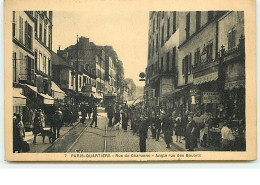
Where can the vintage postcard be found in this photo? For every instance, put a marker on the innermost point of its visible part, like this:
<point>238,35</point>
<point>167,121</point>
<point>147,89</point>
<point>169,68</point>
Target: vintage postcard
<point>130,80</point>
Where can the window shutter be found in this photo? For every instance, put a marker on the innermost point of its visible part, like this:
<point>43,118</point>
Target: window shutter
<point>32,70</point>
<point>26,34</point>
<point>229,41</point>
<point>189,61</point>
<point>183,66</point>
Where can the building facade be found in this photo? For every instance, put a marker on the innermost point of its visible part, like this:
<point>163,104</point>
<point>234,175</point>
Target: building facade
<point>196,62</point>
<point>32,43</point>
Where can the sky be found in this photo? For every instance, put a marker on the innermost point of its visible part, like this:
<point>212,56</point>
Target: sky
<point>126,31</point>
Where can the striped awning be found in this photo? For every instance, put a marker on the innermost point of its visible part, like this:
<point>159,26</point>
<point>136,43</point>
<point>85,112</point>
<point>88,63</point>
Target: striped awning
<point>206,78</point>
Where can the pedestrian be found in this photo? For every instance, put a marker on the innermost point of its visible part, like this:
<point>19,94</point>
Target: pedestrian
<point>153,128</point>
<point>21,126</point>
<point>57,123</point>
<point>125,117</point>
<point>94,117</point>
<point>191,134</point>
<point>37,125</point>
<point>167,128</point>
<point>158,125</point>
<point>17,138</point>
<point>88,110</point>
<point>228,139</point>
<point>110,114</point>
<point>143,129</point>
<point>117,115</point>
<point>179,128</point>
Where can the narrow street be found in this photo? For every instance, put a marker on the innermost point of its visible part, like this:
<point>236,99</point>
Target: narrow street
<point>83,138</point>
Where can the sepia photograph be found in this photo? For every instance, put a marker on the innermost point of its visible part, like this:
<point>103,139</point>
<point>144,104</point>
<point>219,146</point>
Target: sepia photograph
<point>135,85</point>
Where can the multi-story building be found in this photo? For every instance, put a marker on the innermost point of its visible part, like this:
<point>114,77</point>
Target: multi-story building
<point>162,55</point>
<point>111,75</point>
<point>208,71</point>
<point>63,74</point>
<point>32,43</point>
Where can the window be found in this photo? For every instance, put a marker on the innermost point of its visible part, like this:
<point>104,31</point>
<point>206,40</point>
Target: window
<point>186,65</point>
<point>44,64</point>
<point>49,67</point>
<point>157,25</point>
<point>187,26</point>
<point>153,25</point>
<point>40,63</point>
<point>50,39</point>
<point>174,22</point>
<point>14,68</point>
<point>168,28</point>
<point>40,30</point>
<point>21,29</point>
<point>173,59</point>
<point>209,52</point>
<point>198,20</point>
<point>72,80</point>
<point>86,67</point>
<point>161,64</point>
<point>157,42</point>
<point>14,24</point>
<point>28,35</point>
<point>197,57</point>
<point>162,40</point>
<point>44,36</point>
<point>153,48</point>
<point>80,82</point>
<point>162,14</point>
<point>36,26</point>
<point>36,60</point>
<point>168,61</point>
<point>232,39</point>
<point>210,15</point>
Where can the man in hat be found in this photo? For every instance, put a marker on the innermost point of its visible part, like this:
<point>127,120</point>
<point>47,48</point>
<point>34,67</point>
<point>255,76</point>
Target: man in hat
<point>191,134</point>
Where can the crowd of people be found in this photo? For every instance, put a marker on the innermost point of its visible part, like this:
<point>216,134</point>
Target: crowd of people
<point>193,128</point>
<point>163,122</point>
<point>38,121</point>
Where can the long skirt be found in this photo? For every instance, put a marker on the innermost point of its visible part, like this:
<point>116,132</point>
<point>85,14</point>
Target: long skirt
<point>168,136</point>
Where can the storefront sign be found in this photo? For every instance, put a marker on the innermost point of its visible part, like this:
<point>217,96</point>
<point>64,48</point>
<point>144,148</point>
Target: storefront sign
<point>211,97</point>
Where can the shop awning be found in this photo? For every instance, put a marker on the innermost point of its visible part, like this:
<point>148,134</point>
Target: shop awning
<point>18,98</point>
<point>58,93</point>
<point>48,100</point>
<point>234,84</point>
<point>206,78</point>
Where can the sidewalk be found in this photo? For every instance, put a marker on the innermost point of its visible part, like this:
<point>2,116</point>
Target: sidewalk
<point>40,147</point>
